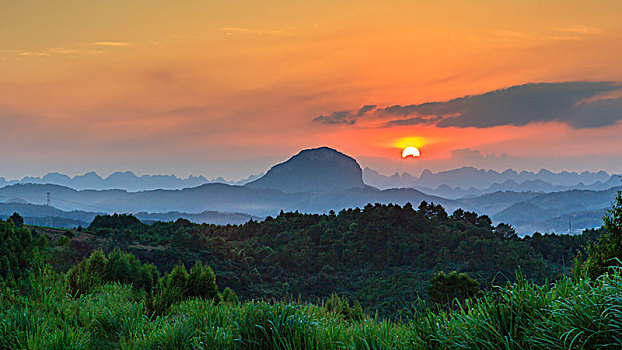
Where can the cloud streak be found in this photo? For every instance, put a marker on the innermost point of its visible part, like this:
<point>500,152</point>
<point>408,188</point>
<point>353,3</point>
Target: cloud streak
<point>344,117</point>
<point>576,104</point>
<point>111,43</point>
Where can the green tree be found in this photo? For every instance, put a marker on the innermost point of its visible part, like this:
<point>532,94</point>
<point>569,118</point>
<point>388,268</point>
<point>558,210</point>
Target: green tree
<point>17,251</point>
<point>87,274</point>
<point>202,282</point>
<point>17,220</point>
<point>607,250</point>
<point>445,288</point>
<point>118,266</point>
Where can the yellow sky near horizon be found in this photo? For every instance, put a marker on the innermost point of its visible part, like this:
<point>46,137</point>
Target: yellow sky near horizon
<point>175,83</point>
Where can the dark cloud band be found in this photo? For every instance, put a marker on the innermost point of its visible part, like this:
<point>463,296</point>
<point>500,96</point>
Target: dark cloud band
<point>573,103</point>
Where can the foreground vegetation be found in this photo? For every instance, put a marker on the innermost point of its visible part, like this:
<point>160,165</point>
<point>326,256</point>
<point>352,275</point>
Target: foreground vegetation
<point>570,314</point>
<point>381,255</point>
<point>114,300</point>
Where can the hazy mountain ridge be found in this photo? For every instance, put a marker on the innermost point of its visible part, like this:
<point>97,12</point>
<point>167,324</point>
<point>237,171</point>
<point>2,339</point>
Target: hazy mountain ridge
<point>322,179</point>
<point>214,197</point>
<point>126,180</point>
<point>47,215</point>
<point>470,181</point>
<point>452,184</point>
<point>551,211</point>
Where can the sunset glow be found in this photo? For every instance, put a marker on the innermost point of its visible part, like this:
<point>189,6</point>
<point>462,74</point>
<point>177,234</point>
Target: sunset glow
<point>229,88</point>
<point>411,152</point>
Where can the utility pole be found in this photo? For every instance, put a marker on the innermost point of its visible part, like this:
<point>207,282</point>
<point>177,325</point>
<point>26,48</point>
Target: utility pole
<point>569,224</point>
<point>49,202</point>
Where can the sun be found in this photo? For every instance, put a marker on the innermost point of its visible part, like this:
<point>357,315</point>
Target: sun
<point>411,151</point>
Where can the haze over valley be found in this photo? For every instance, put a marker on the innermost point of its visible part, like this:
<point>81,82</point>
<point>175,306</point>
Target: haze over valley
<point>318,181</point>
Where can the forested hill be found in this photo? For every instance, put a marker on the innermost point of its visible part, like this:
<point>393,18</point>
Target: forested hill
<point>381,255</point>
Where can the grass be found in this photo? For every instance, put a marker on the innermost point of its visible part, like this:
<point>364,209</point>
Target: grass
<point>569,314</point>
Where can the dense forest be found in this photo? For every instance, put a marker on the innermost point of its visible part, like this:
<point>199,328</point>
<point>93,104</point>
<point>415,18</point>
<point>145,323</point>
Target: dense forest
<point>384,276</point>
<point>381,255</point>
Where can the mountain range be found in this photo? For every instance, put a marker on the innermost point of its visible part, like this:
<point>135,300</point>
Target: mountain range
<point>126,180</point>
<point>323,179</point>
<point>470,181</point>
<point>452,184</point>
<point>45,215</point>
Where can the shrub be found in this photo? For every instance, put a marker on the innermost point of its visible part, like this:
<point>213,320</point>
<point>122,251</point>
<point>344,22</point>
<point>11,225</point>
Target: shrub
<point>607,250</point>
<point>445,288</point>
<point>341,306</point>
<point>17,252</point>
<point>229,296</point>
<point>116,267</point>
<point>179,285</point>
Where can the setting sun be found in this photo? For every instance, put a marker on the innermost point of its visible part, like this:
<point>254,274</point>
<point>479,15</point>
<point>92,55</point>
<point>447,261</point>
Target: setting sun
<point>411,151</point>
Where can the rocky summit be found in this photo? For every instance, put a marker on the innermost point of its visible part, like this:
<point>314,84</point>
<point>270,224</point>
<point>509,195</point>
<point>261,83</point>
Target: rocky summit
<point>313,170</point>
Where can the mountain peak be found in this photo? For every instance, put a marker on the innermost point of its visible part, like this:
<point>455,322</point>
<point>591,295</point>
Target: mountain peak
<point>313,170</point>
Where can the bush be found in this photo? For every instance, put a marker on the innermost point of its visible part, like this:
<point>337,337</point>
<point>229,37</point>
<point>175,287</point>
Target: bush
<point>341,306</point>
<point>607,250</point>
<point>180,285</point>
<point>202,282</point>
<point>115,222</point>
<point>446,288</point>
<point>229,296</point>
<point>116,267</point>
<point>17,252</point>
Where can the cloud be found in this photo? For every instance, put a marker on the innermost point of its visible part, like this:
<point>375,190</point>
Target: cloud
<point>577,104</point>
<point>474,155</point>
<point>365,109</point>
<point>577,29</point>
<point>530,103</point>
<point>596,114</point>
<point>111,43</point>
<point>413,121</point>
<point>344,117</point>
<point>255,31</point>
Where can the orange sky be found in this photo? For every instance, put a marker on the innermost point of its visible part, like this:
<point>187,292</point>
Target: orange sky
<point>228,88</point>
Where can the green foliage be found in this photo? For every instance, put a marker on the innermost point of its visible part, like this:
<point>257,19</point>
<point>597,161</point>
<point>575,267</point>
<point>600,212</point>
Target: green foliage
<point>202,282</point>
<point>570,314</point>
<point>18,250</point>
<point>381,255</point>
<point>376,254</point>
<point>444,288</point>
<point>118,266</point>
<point>115,222</point>
<point>341,306</point>
<point>17,219</point>
<point>567,315</point>
<point>127,269</point>
<point>607,250</point>
<point>180,285</point>
<point>229,296</point>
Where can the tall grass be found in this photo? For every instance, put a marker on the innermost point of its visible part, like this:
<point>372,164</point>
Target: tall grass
<point>569,314</point>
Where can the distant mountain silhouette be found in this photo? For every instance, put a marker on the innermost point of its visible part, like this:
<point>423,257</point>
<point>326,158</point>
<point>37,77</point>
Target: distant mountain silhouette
<point>215,197</point>
<point>469,181</point>
<point>573,223</point>
<point>313,170</point>
<point>492,203</point>
<point>452,184</point>
<point>543,212</point>
<point>126,180</point>
<point>317,181</point>
<point>47,215</point>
